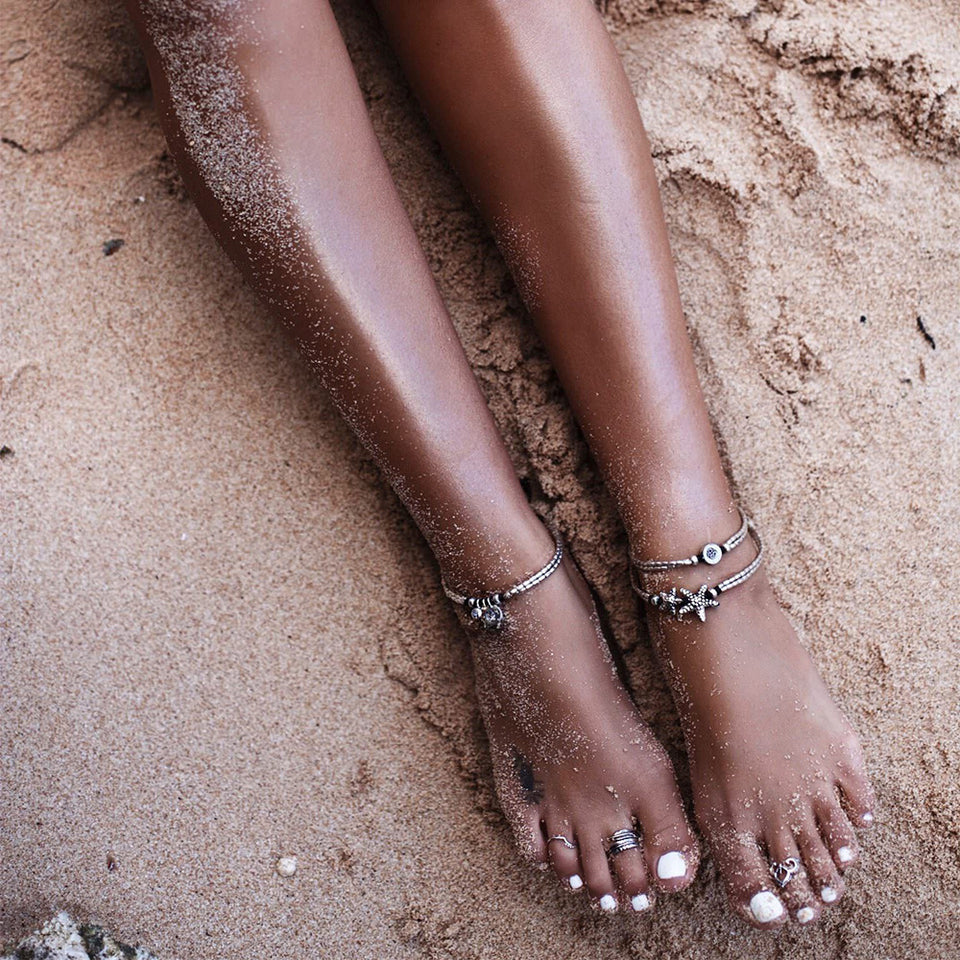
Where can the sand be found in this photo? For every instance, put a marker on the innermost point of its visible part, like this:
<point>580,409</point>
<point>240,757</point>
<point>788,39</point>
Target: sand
<point>222,638</point>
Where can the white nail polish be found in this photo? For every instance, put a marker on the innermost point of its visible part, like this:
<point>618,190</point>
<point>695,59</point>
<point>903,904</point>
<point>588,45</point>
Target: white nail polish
<point>640,902</point>
<point>766,906</point>
<point>575,881</point>
<point>828,894</point>
<point>845,855</point>
<point>671,865</point>
<point>608,903</point>
<point>805,914</point>
<point>867,818</point>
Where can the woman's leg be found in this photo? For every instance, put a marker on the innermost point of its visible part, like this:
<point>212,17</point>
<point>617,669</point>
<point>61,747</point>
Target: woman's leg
<point>533,107</point>
<point>264,116</point>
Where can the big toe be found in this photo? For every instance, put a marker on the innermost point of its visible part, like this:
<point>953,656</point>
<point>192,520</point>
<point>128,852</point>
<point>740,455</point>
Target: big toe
<point>746,877</point>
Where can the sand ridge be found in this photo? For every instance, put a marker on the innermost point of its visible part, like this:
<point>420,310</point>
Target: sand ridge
<point>223,640</point>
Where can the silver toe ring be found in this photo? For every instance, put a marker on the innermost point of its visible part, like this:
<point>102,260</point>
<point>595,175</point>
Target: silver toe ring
<point>783,872</point>
<point>622,840</point>
<point>569,844</point>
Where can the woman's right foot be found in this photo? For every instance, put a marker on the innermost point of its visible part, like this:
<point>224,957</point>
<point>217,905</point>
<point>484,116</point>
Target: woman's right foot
<point>572,759</point>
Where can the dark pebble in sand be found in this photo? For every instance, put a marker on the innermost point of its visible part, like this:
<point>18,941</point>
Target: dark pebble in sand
<point>926,333</point>
<point>110,247</point>
<point>5,452</point>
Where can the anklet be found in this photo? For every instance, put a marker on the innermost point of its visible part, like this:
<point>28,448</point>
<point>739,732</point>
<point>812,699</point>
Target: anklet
<point>488,609</point>
<point>710,552</point>
<point>678,605</point>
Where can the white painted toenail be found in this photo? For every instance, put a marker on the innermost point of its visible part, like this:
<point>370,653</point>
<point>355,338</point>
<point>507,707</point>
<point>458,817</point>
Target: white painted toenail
<point>608,902</point>
<point>766,906</point>
<point>828,894</point>
<point>805,914</point>
<point>575,882</point>
<point>640,902</point>
<point>867,817</point>
<point>844,854</point>
<point>671,865</point>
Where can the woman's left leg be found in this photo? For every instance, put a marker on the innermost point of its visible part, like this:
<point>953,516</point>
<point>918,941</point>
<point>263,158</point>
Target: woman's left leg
<point>532,105</point>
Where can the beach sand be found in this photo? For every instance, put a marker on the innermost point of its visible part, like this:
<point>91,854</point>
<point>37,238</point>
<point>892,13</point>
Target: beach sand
<point>223,640</point>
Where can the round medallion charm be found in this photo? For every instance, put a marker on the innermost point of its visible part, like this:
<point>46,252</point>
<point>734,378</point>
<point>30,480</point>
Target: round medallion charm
<point>492,617</point>
<point>711,553</point>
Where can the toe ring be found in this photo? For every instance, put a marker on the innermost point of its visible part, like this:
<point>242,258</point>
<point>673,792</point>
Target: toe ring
<point>623,840</point>
<point>784,871</point>
<point>569,844</point>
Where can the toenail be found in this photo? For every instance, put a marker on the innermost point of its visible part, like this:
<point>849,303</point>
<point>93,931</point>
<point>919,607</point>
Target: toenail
<point>845,855</point>
<point>828,894</point>
<point>608,902</point>
<point>766,906</point>
<point>805,914</point>
<point>575,881</point>
<point>867,818</point>
<point>640,902</point>
<point>671,865</point>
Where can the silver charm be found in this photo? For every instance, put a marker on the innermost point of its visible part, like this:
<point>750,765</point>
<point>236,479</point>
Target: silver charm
<point>696,602</point>
<point>784,872</point>
<point>711,553</point>
<point>487,611</point>
<point>667,601</point>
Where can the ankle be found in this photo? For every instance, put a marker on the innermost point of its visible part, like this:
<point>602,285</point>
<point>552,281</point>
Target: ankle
<point>682,529</point>
<point>491,557</point>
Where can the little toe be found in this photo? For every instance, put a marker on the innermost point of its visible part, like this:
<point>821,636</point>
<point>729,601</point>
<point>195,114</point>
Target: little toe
<point>746,875</point>
<point>563,853</point>
<point>789,875</point>
<point>528,834</point>
<point>858,797</point>
<point>837,833</point>
<point>822,873</point>
<point>596,869</point>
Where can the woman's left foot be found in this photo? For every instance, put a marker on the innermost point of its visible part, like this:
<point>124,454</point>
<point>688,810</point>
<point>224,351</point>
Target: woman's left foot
<point>777,770</point>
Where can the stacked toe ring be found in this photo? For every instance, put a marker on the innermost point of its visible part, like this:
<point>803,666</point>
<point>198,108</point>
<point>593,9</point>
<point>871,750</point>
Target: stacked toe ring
<point>623,840</point>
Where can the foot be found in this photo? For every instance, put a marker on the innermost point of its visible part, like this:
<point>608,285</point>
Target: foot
<point>777,770</point>
<point>571,757</point>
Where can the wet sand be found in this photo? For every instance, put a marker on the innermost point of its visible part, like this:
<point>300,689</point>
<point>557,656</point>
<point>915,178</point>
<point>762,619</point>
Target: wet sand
<point>222,639</point>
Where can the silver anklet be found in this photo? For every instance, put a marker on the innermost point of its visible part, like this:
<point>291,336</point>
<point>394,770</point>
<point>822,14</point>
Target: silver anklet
<point>488,609</point>
<point>709,553</point>
<point>678,604</point>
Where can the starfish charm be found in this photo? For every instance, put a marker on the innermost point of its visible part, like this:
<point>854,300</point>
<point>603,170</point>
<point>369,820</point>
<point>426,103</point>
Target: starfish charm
<point>696,602</point>
<point>667,602</point>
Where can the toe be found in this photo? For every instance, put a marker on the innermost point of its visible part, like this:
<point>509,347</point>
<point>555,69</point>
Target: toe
<point>859,800</point>
<point>596,869</point>
<point>746,876</point>
<point>528,834</point>
<point>797,896</point>
<point>630,871</point>
<point>563,853</point>
<point>822,874</point>
<point>672,853</point>
<point>837,833</point>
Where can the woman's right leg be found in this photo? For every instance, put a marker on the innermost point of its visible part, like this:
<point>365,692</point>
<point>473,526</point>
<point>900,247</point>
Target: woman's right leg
<point>265,119</point>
